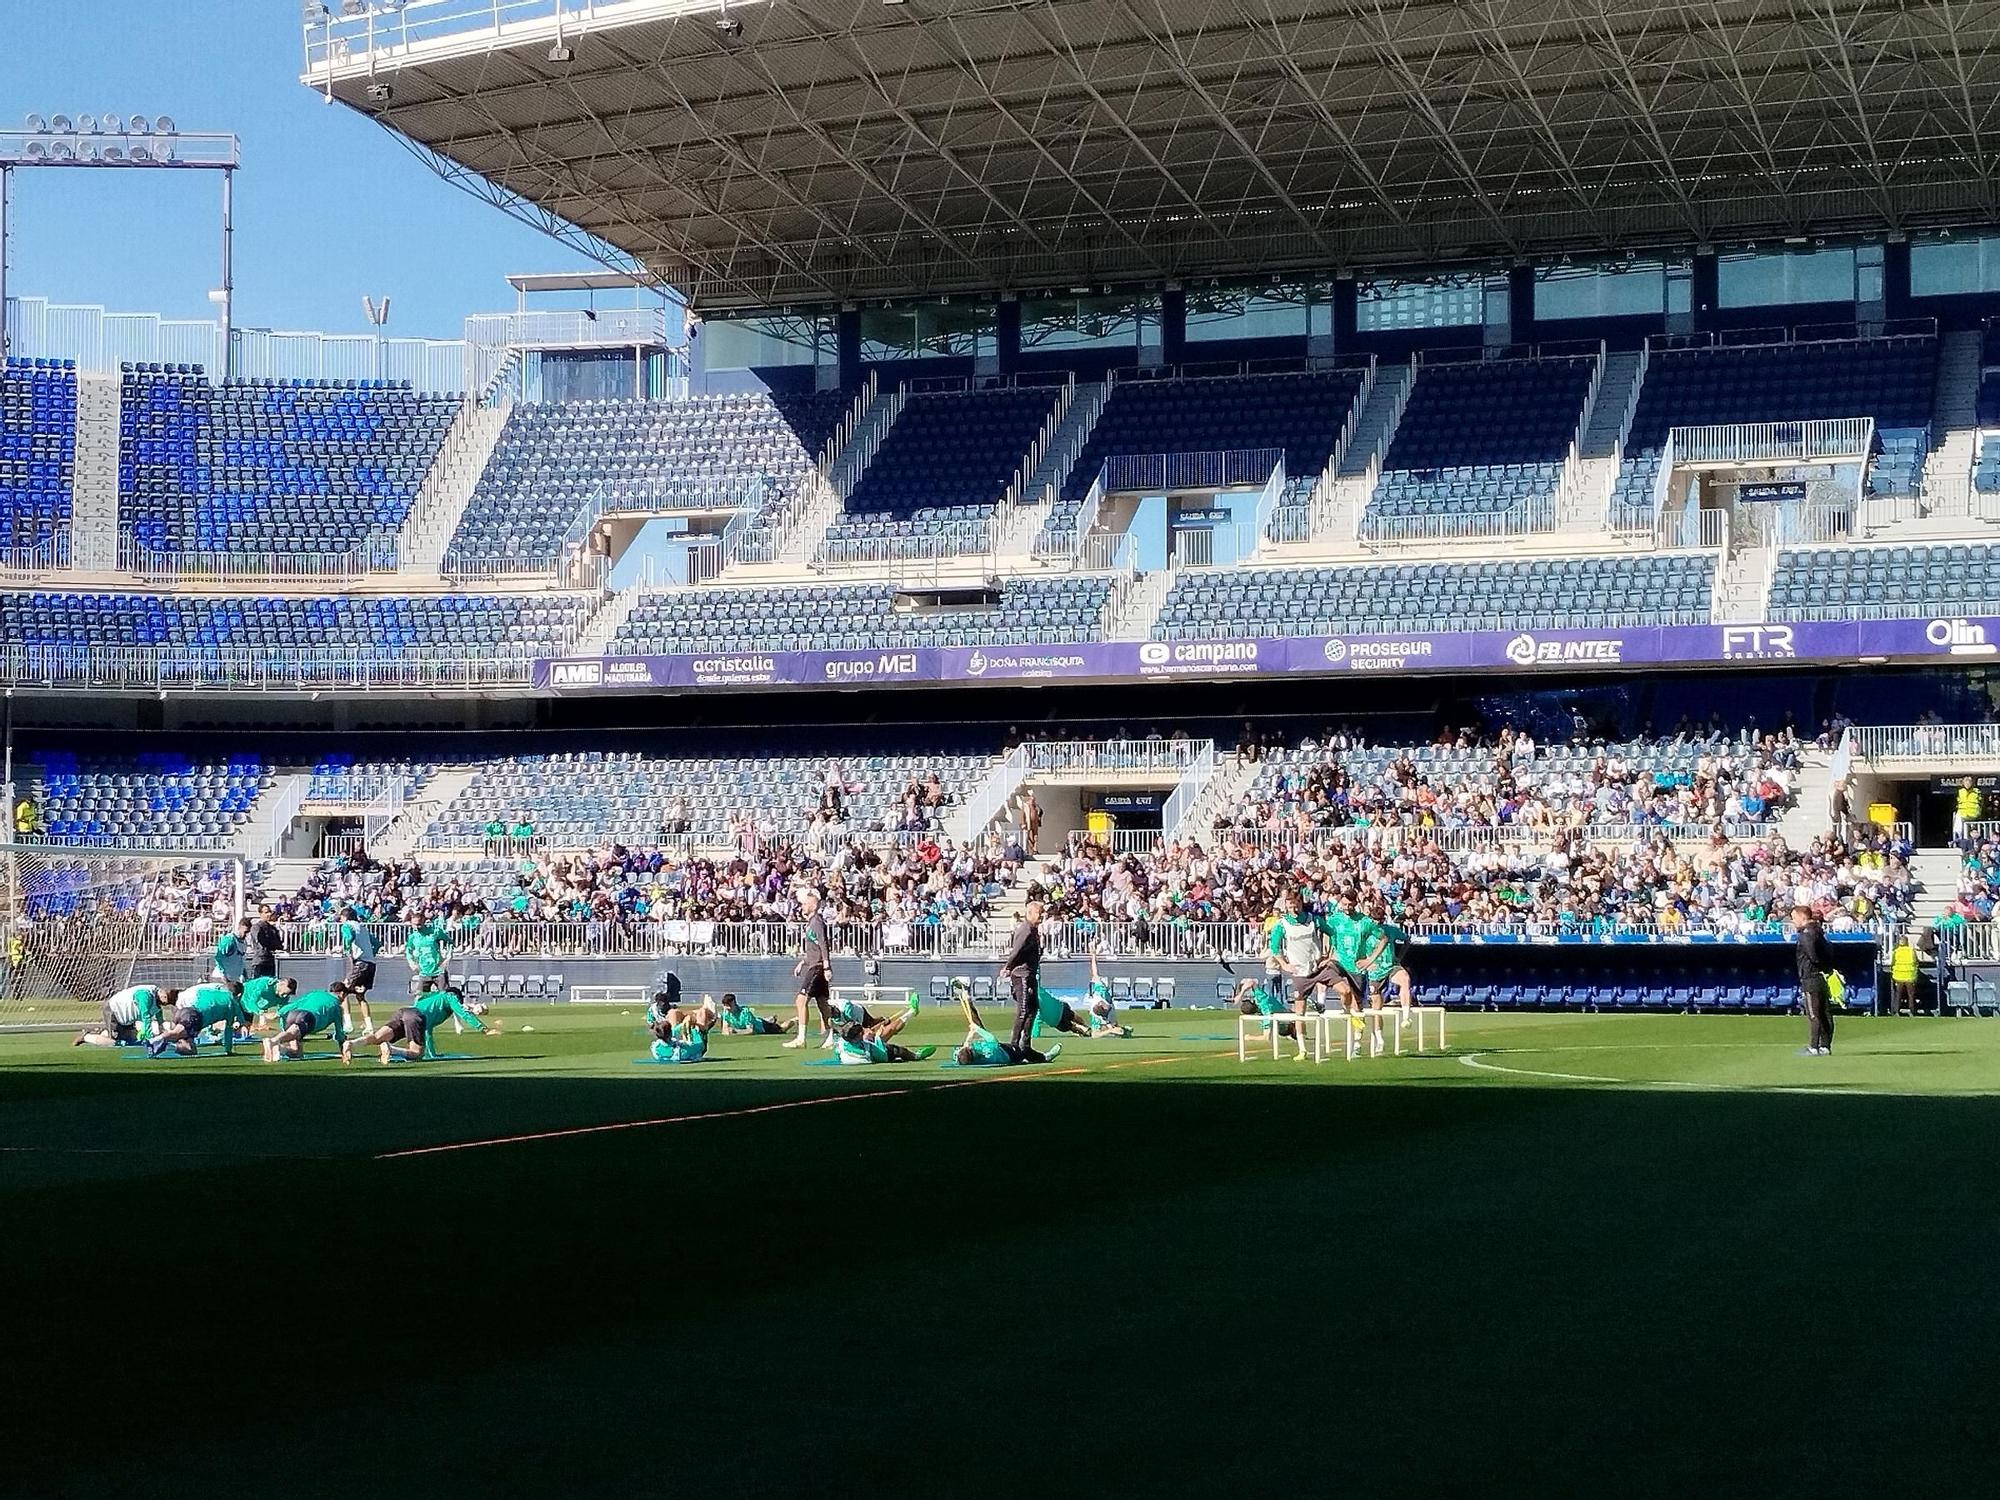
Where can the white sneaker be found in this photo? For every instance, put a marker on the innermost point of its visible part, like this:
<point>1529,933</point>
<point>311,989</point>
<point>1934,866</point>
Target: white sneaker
<point>797,1041</point>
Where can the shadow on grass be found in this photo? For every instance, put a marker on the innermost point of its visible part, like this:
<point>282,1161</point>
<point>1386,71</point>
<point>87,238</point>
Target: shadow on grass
<point>1165,1286</point>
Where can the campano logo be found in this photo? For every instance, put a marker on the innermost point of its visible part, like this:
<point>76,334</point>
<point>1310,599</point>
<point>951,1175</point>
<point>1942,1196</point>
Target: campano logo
<point>1521,650</point>
<point>975,664</point>
<point>1336,650</point>
<point>1153,654</point>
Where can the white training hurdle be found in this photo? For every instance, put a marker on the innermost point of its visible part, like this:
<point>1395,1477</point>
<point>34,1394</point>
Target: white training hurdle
<point>608,994</point>
<point>1322,1023</point>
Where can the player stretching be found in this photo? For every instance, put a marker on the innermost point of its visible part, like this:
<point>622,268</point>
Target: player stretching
<point>425,948</point>
<point>1299,949</point>
<point>130,1016</point>
<point>680,1035</point>
<point>265,996</point>
<point>407,1035</point>
<point>203,1006</point>
<point>357,944</point>
<point>737,1019</point>
<point>983,1049</point>
<point>861,1037</point>
<point>1387,971</point>
<point>1255,998</point>
<point>1098,1017</point>
<point>320,1010</point>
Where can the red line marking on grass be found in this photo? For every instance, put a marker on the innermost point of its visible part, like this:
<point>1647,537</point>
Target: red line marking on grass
<point>1150,1062</point>
<point>713,1114</point>
<point>973,1083</point>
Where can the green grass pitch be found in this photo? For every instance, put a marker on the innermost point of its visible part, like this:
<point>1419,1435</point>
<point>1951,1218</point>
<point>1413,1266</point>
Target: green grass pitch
<point>1577,1255</point>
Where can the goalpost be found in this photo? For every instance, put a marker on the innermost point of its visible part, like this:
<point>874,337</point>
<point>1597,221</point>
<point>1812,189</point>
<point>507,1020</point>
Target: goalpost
<point>78,924</point>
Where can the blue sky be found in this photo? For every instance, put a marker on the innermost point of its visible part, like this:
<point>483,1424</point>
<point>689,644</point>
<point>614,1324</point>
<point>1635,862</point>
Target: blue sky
<point>329,207</point>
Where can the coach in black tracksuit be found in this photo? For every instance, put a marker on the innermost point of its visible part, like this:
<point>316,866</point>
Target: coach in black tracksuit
<point>1022,967</point>
<point>1815,963</point>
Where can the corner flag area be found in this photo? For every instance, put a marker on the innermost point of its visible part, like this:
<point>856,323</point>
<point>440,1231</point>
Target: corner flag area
<point>538,1261</point>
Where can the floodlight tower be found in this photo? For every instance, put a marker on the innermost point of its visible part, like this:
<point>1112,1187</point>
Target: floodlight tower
<point>101,142</point>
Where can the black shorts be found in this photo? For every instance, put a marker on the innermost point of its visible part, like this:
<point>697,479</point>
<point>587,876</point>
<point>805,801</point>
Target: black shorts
<point>1301,986</point>
<point>816,987</point>
<point>306,1022</point>
<point>189,1021</point>
<point>262,968</point>
<point>360,974</point>
<point>406,1025</point>
<point>117,1030</point>
<point>438,981</point>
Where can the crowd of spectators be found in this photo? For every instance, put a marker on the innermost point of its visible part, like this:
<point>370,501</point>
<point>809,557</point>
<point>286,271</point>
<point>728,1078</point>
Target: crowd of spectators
<point>1507,780</point>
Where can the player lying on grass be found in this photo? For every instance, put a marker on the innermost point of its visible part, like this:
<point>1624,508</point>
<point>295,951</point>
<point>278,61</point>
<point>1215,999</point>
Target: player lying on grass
<point>264,997</point>
<point>319,1010</point>
<point>408,1033</point>
<point>1255,997</point>
<point>860,1037</point>
<point>215,1004</point>
<point>680,1033</point>
<point>982,1049</point>
<point>734,1018</point>
<point>1096,1017</point>
<point>130,1016</point>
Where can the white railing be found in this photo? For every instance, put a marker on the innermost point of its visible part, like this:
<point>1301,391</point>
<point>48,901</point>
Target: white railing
<point>380,815</point>
<point>377,553</point>
<point>1267,509</point>
<point>845,428</point>
<point>133,667</point>
<point>1064,458</point>
<point>1538,618</point>
<point>100,342</point>
<point>1983,828</point>
<point>365,34</point>
<point>1194,781</point>
<point>1691,530</point>
<point>278,821</point>
<point>1625,430</point>
<point>1849,438</point>
<point>1067,541</point>
<point>1379,453</point>
<point>39,557</point>
<point>1890,742</point>
<point>1510,837</point>
<point>1025,471</point>
<point>989,798</point>
<point>1537,514</point>
<point>1974,942</point>
<point>1318,511</point>
<point>956,540</point>
<point>1096,757</point>
<point>341,845</point>
<point>861,451</point>
<point>350,788</point>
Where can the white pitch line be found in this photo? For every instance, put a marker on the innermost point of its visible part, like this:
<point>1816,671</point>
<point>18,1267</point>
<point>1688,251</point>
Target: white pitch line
<point>1477,1060</point>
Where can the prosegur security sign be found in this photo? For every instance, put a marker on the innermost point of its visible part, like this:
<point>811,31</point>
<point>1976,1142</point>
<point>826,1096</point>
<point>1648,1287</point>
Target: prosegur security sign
<point>1910,639</point>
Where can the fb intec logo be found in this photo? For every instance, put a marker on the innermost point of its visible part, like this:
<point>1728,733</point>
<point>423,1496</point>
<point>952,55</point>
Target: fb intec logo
<point>1525,651</point>
<point>576,674</point>
<point>1961,637</point>
<point>1757,642</point>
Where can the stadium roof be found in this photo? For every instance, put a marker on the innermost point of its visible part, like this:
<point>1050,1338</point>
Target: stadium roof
<point>841,150</point>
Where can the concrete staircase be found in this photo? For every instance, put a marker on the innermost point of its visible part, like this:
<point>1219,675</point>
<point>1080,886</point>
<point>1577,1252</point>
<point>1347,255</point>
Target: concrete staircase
<point>1375,429</point>
<point>1044,486</point>
<point>1811,813</point>
<point>1954,411</point>
<point>93,536</point>
<point>399,841</point>
<point>853,460</point>
<point>1739,585</point>
<point>447,489</point>
<point>1937,873</point>
<point>1132,615</point>
<point>1225,788</point>
<point>1604,428</point>
<point>595,637</point>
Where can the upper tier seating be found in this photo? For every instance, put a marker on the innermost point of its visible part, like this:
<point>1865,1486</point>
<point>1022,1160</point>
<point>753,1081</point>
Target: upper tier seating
<point>1542,595</point>
<point>945,462</point>
<point>1482,437</point>
<point>270,466</point>
<point>37,450</point>
<point>150,797</point>
<point>1891,380</point>
<point>813,415</point>
<point>1836,583</point>
<point>1302,414</point>
<point>858,616</point>
<point>1986,467</point>
<point>714,452</point>
<point>509,626</point>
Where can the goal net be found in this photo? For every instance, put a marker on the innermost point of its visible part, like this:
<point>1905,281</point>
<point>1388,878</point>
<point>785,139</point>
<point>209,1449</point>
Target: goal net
<point>80,924</point>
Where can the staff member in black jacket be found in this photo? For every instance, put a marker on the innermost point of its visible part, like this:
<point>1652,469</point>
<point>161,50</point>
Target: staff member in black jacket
<point>1815,963</point>
<point>261,947</point>
<point>1022,968</point>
